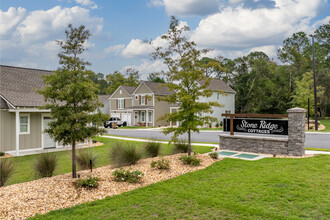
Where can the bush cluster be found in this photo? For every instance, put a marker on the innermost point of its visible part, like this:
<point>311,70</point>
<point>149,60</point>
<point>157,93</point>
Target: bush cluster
<point>121,155</point>
<point>214,155</point>
<point>180,147</point>
<point>84,158</point>
<point>122,175</point>
<point>2,153</point>
<point>89,182</point>
<point>6,170</point>
<point>190,160</point>
<point>152,148</point>
<point>46,164</point>
<point>161,164</point>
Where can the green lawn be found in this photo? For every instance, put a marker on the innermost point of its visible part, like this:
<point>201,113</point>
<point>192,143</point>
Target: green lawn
<point>326,123</point>
<point>272,188</point>
<point>317,149</point>
<point>211,129</point>
<point>24,165</point>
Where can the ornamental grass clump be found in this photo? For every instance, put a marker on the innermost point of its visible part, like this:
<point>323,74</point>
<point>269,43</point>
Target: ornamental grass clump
<point>46,165</point>
<point>161,164</point>
<point>214,155</point>
<point>190,160</point>
<point>121,155</point>
<point>86,159</point>
<point>152,148</point>
<point>122,175</point>
<point>6,170</point>
<point>180,147</point>
<point>89,182</point>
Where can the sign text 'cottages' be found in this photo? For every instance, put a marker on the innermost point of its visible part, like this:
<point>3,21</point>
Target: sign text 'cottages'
<point>257,126</point>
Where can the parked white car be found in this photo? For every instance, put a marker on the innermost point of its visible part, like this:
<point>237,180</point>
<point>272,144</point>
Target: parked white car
<point>114,120</point>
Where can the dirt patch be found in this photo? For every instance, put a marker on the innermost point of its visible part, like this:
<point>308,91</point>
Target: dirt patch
<point>312,127</point>
<point>20,201</point>
<point>6,156</point>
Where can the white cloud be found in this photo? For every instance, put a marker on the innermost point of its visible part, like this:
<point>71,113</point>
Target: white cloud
<point>147,67</point>
<point>155,3</point>
<point>88,3</point>
<point>30,37</point>
<point>246,28</point>
<point>270,50</point>
<point>114,49</point>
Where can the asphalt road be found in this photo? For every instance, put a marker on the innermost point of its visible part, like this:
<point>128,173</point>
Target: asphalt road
<point>314,140</point>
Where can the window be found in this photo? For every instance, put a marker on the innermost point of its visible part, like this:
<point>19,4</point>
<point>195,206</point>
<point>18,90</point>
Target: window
<point>143,116</point>
<point>24,123</point>
<point>120,91</point>
<point>143,100</point>
<point>121,103</point>
<point>149,117</point>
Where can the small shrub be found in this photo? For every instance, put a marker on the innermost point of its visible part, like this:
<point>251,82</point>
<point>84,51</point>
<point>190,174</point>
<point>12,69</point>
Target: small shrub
<point>152,148</point>
<point>84,157</point>
<point>89,182</point>
<point>217,125</point>
<point>2,153</point>
<point>46,164</point>
<point>180,147</point>
<point>121,155</point>
<point>122,175</point>
<point>6,170</point>
<point>161,164</point>
<point>221,123</point>
<point>214,155</point>
<point>190,160</point>
<point>210,125</point>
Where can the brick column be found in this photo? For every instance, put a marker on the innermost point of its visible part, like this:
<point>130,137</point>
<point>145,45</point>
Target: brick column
<point>296,134</point>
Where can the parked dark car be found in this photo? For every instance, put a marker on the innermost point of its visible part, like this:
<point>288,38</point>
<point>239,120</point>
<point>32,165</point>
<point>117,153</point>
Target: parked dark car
<point>108,124</point>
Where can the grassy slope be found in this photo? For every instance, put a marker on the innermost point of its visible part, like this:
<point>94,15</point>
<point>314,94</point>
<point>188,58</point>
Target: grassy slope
<point>24,166</point>
<point>271,188</point>
<point>326,123</point>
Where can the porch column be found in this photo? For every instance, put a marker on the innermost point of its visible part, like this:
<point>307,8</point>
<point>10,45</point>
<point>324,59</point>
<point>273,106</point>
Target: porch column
<point>153,118</point>
<point>146,118</point>
<point>17,132</point>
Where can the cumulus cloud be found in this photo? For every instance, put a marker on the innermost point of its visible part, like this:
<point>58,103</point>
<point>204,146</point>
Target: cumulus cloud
<point>147,67</point>
<point>246,28</point>
<point>114,49</point>
<point>88,3</point>
<point>155,3</point>
<point>31,36</point>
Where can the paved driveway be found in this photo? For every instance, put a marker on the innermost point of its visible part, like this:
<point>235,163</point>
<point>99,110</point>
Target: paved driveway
<point>314,140</point>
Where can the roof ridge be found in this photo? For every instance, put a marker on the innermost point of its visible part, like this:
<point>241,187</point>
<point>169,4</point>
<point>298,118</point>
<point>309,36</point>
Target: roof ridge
<point>17,67</point>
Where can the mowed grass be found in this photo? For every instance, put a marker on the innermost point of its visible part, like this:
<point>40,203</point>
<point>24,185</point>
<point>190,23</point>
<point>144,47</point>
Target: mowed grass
<point>24,165</point>
<point>326,123</point>
<point>272,188</point>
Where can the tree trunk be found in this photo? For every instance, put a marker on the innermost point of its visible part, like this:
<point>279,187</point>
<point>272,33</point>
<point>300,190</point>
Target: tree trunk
<point>74,172</point>
<point>189,142</point>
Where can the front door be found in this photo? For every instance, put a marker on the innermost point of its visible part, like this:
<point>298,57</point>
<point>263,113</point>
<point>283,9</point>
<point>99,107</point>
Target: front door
<point>136,118</point>
<point>47,141</point>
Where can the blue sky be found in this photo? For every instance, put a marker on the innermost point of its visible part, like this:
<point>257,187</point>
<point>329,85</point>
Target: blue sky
<point>29,28</point>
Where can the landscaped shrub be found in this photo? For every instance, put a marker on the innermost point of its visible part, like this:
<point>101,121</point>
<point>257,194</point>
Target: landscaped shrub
<point>180,147</point>
<point>2,153</point>
<point>210,125</point>
<point>214,155</point>
<point>6,170</point>
<point>84,158</point>
<point>161,164</point>
<point>221,123</point>
<point>89,182</point>
<point>217,125</point>
<point>46,164</point>
<point>152,148</point>
<point>124,155</point>
<point>190,160</point>
<point>122,175</point>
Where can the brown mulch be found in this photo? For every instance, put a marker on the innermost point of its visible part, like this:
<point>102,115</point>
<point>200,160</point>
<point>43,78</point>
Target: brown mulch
<point>24,200</point>
<point>6,156</point>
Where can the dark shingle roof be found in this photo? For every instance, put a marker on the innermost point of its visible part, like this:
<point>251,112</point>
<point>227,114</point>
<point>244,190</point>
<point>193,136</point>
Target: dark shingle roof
<point>18,85</point>
<point>158,88</point>
<point>103,98</point>
<point>129,89</point>
<point>218,84</point>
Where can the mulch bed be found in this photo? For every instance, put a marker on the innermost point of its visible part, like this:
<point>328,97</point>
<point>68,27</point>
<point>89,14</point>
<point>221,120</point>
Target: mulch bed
<point>24,200</point>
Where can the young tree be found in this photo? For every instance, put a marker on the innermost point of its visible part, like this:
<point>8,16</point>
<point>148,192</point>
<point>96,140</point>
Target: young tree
<point>131,78</point>
<point>71,95</point>
<point>186,78</point>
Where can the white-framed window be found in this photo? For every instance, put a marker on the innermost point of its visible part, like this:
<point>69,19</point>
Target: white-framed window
<point>143,100</point>
<point>120,103</point>
<point>24,124</point>
<point>120,92</point>
<point>149,117</point>
<point>143,116</point>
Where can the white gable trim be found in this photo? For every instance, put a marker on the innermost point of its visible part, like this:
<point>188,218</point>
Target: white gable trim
<point>8,103</point>
<point>140,86</point>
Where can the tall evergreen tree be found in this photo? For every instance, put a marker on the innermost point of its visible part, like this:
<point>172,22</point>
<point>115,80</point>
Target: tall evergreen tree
<point>71,95</point>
